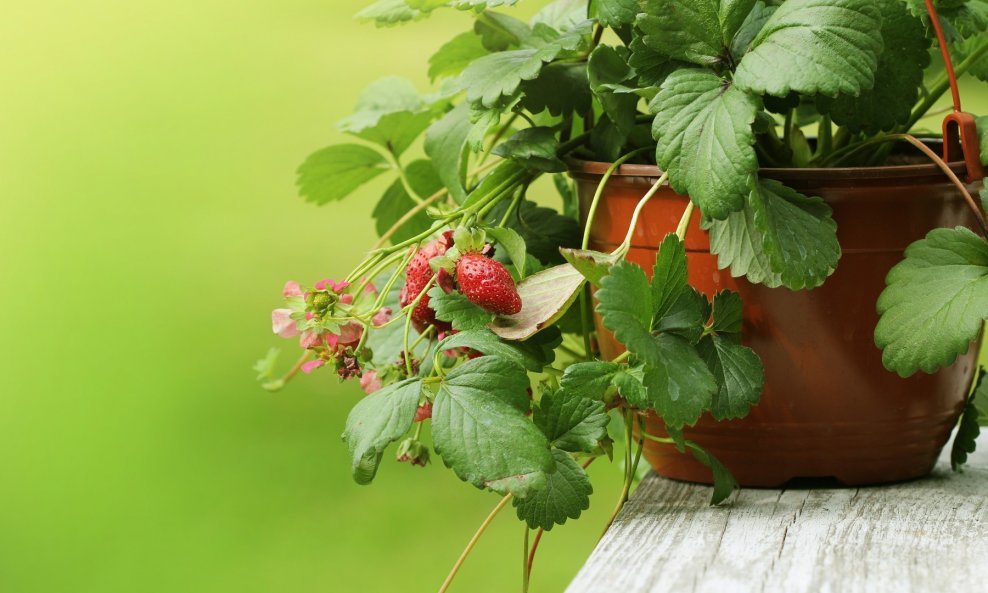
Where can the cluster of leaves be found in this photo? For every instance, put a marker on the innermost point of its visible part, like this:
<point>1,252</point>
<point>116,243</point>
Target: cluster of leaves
<point>715,91</point>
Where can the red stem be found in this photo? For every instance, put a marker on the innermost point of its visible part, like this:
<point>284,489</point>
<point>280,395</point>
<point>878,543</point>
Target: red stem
<point>945,52</point>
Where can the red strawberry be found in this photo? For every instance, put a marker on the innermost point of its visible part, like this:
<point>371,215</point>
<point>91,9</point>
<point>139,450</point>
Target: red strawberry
<point>487,284</point>
<point>417,275</point>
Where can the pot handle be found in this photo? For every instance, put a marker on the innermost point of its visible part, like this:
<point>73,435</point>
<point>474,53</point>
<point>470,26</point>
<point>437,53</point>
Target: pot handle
<point>960,132</point>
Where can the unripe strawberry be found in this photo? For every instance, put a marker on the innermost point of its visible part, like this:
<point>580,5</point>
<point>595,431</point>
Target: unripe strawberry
<point>417,275</point>
<point>487,284</point>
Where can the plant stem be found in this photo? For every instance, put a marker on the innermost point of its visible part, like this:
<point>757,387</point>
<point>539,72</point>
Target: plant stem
<point>631,469</point>
<point>942,85</point>
<point>626,244</point>
<point>524,561</point>
<point>472,543</point>
<point>408,216</point>
<point>824,137</point>
<point>540,532</point>
<point>953,178</point>
<point>592,211</point>
<point>684,222</point>
<point>408,322</point>
<point>404,180</point>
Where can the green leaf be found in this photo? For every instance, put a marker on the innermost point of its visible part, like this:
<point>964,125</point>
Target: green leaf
<point>797,234</point>
<point>334,172</point>
<point>455,55</point>
<point>491,78</point>
<point>570,422</point>
<point>486,342</point>
<point>535,148</point>
<point>625,306</point>
<point>386,13</point>
<point>724,482</point>
<point>588,379</point>
<point>630,387</point>
<point>935,302</point>
<point>458,310</point>
<point>738,372</point>
<point>897,81</point>
<point>560,88</point>
<point>376,421</point>
<point>686,317</point>
<point>562,15</point>
<point>480,4</point>
<point>389,113</point>
<point>545,297</point>
<point>696,31</point>
<point>679,384</point>
<point>815,47</point>
<point>605,67</point>
<point>513,244</point>
<point>594,265</point>
<point>728,313</point>
<point>968,429</point>
<point>565,495</point>
<point>704,140</point>
<point>480,429</point>
<point>445,143</point>
<point>738,244</point>
<point>499,31</point>
<point>669,280</point>
<point>616,13</point>
<point>651,66</point>
<point>395,203</point>
<point>752,25</point>
<point>545,231</point>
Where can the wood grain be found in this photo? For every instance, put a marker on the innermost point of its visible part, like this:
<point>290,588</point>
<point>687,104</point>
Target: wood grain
<point>925,535</point>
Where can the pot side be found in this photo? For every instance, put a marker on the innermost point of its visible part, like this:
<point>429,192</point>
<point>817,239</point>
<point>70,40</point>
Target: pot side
<point>830,409</point>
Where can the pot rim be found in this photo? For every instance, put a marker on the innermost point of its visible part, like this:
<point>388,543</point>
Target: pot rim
<point>578,166</point>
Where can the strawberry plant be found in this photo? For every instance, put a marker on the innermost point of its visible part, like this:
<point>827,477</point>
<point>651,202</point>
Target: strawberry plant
<point>472,312</point>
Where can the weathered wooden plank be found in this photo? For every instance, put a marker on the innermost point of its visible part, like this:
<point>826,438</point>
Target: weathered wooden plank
<point>926,535</point>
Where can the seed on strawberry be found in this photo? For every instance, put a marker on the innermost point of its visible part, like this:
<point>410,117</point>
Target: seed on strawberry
<point>487,284</point>
<point>417,275</point>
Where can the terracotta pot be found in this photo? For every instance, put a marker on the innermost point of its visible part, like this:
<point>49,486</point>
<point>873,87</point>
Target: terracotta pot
<point>829,409</point>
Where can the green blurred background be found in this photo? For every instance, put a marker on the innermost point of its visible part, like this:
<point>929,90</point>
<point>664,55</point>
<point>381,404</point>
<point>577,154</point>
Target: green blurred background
<point>149,220</point>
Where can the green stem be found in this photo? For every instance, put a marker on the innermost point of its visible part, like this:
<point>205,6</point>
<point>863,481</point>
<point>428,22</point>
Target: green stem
<point>404,181</point>
<point>592,211</point>
<point>524,560</point>
<point>472,543</point>
<point>824,137</point>
<point>631,469</point>
<point>626,244</point>
<point>408,322</point>
<point>684,222</point>
<point>942,85</point>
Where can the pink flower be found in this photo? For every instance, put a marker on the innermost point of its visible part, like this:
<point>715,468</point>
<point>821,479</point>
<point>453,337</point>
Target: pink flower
<point>312,365</point>
<point>310,339</point>
<point>283,324</point>
<point>332,285</point>
<point>369,382</point>
<point>349,335</point>
<point>291,289</point>
<point>346,299</point>
<point>381,317</point>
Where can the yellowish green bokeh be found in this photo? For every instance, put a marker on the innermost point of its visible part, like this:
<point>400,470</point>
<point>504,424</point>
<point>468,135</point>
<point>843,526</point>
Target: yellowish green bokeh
<point>149,219</point>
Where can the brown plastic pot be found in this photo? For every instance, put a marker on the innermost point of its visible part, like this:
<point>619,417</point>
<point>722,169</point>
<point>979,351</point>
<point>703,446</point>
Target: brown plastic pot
<point>830,409</point>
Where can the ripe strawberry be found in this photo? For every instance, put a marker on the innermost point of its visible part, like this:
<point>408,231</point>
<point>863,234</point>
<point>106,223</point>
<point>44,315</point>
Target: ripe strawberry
<point>487,284</point>
<point>417,275</point>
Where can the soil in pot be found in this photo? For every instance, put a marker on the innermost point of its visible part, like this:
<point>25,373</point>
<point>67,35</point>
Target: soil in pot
<point>829,409</point>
